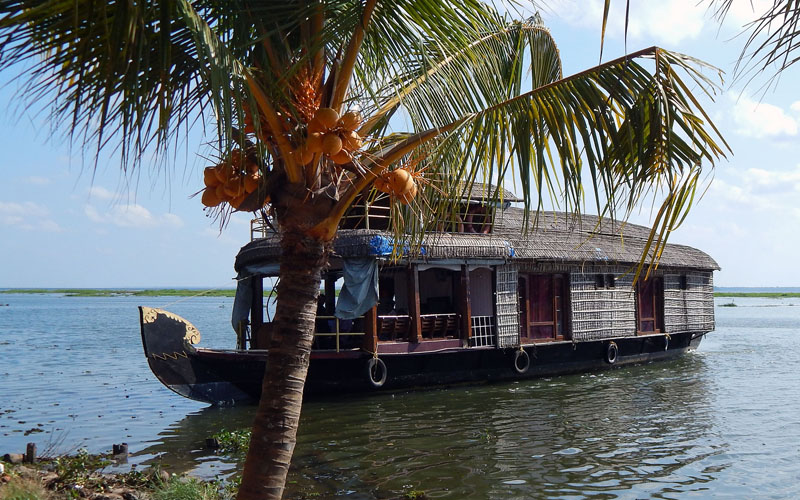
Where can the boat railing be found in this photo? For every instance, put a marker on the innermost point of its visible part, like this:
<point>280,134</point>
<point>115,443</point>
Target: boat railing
<point>366,215</point>
<point>393,328</point>
<point>331,326</point>
<point>259,229</point>
<point>439,326</point>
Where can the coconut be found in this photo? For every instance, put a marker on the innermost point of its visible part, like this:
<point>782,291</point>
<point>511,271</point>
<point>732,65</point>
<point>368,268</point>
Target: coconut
<point>221,194</point>
<point>351,141</point>
<point>237,158</point>
<point>251,181</point>
<point>251,167</point>
<point>303,155</point>
<point>314,142</point>
<point>327,117</point>
<point>210,177</point>
<point>210,198</point>
<point>237,202</point>
<point>382,185</point>
<point>315,127</point>
<point>350,120</point>
<point>400,181</point>
<point>331,144</point>
<point>224,172</point>
<point>341,157</point>
<point>406,198</point>
<point>234,187</point>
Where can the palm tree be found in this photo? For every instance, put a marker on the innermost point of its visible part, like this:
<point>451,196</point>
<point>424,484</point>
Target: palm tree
<point>306,96</point>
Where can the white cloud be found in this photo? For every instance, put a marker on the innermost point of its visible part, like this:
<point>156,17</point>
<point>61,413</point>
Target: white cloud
<point>742,13</point>
<point>758,190</point>
<point>795,106</point>
<point>760,119</point>
<point>38,180</point>
<point>28,216</point>
<point>132,216</point>
<point>100,193</point>
<point>668,21</point>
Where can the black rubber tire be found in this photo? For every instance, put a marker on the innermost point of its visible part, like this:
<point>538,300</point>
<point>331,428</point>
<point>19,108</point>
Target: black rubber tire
<point>526,361</point>
<point>376,372</point>
<point>612,353</point>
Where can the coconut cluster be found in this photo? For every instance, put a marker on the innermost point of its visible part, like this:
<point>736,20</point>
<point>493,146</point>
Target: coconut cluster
<point>331,135</point>
<point>232,180</point>
<point>398,183</point>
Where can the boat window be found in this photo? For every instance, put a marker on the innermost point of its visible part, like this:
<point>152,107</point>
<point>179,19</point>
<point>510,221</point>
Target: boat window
<point>684,282</point>
<point>599,281</point>
<point>610,281</point>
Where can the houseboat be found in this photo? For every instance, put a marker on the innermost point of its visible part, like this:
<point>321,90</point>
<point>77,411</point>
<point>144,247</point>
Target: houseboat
<point>479,299</point>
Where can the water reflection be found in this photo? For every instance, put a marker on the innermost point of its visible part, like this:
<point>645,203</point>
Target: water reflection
<point>641,431</point>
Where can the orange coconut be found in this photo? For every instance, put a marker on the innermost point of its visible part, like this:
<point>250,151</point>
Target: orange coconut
<point>341,157</point>
<point>331,144</point>
<point>234,187</point>
<point>210,198</point>
<point>251,181</point>
<point>327,117</point>
<point>351,141</point>
<point>406,198</point>
<point>224,172</point>
<point>382,185</point>
<point>400,181</point>
<point>314,142</point>
<point>303,155</point>
<point>251,167</point>
<point>237,202</point>
<point>220,192</point>
<point>350,120</point>
<point>210,177</point>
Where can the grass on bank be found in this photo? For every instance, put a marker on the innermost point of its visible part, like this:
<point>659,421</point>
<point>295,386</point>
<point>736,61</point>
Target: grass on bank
<point>102,292</point>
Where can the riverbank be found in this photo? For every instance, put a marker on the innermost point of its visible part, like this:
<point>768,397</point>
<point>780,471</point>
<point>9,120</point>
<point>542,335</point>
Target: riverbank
<point>81,476</point>
<point>107,292</point>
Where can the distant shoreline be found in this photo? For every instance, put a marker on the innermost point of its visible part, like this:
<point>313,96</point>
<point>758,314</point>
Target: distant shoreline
<point>230,292</point>
<point>768,295</point>
<point>103,292</point>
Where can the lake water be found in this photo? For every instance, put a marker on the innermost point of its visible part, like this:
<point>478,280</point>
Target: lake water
<point>720,422</point>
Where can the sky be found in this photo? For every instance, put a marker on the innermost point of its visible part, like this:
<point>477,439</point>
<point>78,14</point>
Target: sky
<point>65,224</point>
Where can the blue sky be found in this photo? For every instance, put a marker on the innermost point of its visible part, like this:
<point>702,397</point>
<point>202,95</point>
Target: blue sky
<point>63,225</point>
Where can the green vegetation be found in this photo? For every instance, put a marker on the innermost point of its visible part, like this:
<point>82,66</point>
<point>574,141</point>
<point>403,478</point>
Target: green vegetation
<point>769,295</point>
<point>233,442</point>
<point>81,476</point>
<point>102,292</point>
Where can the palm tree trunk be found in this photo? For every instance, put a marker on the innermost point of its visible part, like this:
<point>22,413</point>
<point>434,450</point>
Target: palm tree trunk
<point>275,426</point>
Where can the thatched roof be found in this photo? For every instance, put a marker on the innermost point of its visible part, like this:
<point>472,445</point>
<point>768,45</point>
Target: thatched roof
<point>483,192</point>
<point>554,237</point>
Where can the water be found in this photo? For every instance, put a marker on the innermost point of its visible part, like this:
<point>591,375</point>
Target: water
<point>721,422</point>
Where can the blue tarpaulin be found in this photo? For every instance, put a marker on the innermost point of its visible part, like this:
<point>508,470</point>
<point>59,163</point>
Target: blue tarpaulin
<point>360,290</point>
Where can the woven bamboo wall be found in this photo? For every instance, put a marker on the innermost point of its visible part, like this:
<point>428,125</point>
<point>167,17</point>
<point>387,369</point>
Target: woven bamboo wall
<point>602,312</point>
<point>691,309</point>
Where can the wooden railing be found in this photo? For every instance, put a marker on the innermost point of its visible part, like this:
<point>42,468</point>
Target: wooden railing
<point>434,326</point>
<point>335,324</point>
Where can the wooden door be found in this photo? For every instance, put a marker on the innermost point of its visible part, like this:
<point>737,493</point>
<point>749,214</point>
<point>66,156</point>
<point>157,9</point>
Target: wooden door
<point>543,306</point>
<point>650,305</point>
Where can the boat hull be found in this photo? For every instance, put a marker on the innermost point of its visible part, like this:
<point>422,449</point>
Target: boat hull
<point>226,377</point>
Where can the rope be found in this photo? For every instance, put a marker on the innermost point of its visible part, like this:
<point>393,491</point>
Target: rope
<point>183,299</point>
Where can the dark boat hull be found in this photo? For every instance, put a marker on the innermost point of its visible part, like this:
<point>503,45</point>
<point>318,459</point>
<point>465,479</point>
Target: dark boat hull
<point>225,377</point>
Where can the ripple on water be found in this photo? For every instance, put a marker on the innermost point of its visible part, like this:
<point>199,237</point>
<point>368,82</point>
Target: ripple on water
<point>721,422</point>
